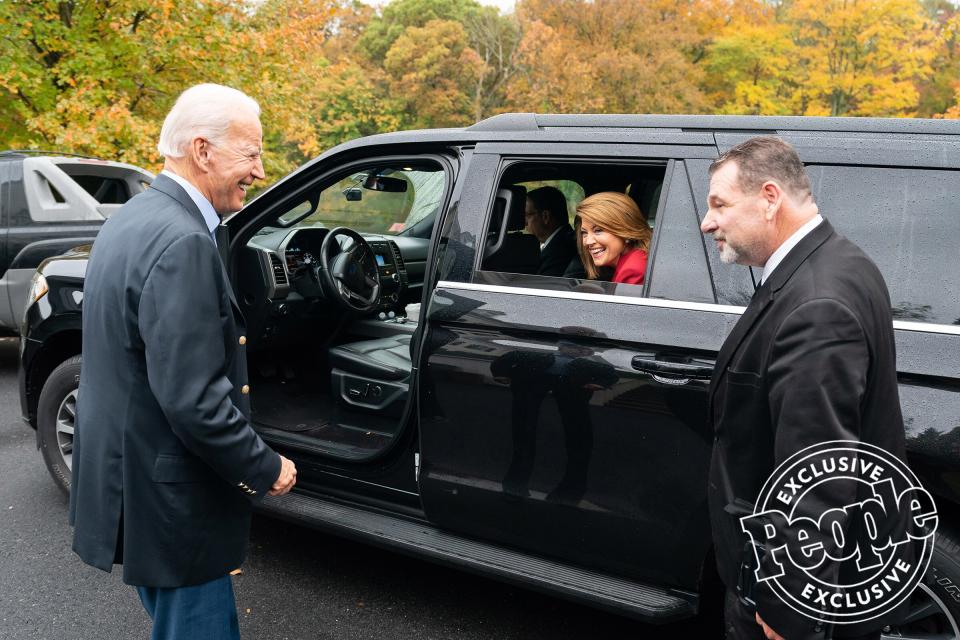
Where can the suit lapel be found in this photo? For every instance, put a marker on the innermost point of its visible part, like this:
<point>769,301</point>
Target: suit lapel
<point>170,187</point>
<point>233,300</point>
<point>765,295</point>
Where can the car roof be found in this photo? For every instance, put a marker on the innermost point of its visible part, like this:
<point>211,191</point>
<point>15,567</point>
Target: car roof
<point>636,128</point>
<point>530,121</point>
<point>521,127</point>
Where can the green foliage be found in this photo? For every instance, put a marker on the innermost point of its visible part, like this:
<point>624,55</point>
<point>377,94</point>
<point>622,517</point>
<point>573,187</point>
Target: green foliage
<point>98,76</point>
<point>433,70</point>
<point>382,31</point>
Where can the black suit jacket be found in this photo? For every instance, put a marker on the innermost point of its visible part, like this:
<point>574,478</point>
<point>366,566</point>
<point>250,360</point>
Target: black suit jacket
<point>812,359</point>
<point>165,463</point>
<point>556,256</point>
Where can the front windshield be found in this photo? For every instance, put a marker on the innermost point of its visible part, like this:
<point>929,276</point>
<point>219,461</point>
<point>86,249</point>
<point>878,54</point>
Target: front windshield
<point>384,200</point>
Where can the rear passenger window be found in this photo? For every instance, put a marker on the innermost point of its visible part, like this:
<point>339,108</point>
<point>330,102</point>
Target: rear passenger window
<point>103,189</point>
<point>535,237</point>
<point>908,222</point>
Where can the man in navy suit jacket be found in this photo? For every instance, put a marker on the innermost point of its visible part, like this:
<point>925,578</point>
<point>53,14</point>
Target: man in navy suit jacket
<point>166,464</point>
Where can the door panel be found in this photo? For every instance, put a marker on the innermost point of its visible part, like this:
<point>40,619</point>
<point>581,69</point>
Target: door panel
<point>542,434</point>
<point>538,430</point>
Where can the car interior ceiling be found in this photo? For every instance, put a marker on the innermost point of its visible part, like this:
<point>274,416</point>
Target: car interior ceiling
<point>325,382</point>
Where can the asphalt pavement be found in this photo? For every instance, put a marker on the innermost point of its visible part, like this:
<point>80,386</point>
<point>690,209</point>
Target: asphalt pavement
<point>296,583</point>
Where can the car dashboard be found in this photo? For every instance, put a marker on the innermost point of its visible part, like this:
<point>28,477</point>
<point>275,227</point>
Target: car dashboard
<point>280,298</point>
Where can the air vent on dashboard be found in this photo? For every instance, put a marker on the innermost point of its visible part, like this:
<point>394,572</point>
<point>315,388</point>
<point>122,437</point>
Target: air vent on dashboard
<point>401,268</point>
<point>279,273</point>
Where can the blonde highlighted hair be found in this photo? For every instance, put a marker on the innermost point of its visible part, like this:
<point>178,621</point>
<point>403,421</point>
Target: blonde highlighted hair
<point>617,214</point>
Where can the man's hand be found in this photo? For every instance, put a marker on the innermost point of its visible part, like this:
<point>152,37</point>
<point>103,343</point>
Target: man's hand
<point>286,479</point>
<point>767,631</point>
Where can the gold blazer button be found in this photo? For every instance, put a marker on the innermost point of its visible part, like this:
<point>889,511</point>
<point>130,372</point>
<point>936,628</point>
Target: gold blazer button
<point>242,340</point>
<point>245,389</point>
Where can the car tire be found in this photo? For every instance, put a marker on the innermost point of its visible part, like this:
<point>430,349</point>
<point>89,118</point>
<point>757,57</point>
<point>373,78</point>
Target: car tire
<point>56,416</point>
<point>935,604</point>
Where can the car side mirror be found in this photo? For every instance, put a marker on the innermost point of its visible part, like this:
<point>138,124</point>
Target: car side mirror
<point>353,194</point>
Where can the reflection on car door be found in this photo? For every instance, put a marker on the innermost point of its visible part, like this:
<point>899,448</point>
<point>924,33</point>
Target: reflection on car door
<point>574,424</point>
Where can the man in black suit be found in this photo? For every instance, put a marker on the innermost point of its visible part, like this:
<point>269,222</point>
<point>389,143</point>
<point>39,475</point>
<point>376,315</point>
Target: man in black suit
<point>166,464</point>
<point>546,216</point>
<point>811,360</point>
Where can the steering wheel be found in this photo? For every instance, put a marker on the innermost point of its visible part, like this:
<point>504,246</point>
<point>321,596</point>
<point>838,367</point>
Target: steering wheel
<point>347,271</point>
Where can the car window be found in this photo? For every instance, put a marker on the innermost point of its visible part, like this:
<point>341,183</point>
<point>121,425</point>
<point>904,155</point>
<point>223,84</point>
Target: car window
<point>104,190</point>
<point>572,192</point>
<point>526,246</point>
<point>68,191</point>
<point>907,221</point>
<point>381,199</point>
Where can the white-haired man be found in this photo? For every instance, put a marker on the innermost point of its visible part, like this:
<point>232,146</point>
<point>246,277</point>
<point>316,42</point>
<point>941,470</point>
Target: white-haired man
<point>166,464</point>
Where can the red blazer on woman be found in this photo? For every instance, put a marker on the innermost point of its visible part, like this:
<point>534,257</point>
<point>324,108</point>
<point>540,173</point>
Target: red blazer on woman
<point>631,267</point>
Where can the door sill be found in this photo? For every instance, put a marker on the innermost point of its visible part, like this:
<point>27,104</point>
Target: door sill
<point>646,602</point>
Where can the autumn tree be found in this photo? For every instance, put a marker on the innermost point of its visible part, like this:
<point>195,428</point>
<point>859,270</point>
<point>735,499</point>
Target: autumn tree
<point>611,55</point>
<point>96,77</point>
<point>940,94</point>
<point>434,70</point>
<point>938,90</point>
<point>749,69</point>
<point>816,57</point>
<point>496,40</point>
<point>492,37</point>
<point>397,16</point>
<point>314,92</point>
<point>860,57</point>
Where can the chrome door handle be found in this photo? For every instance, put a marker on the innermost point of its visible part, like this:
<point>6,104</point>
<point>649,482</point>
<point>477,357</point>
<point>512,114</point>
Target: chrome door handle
<point>686,368</point>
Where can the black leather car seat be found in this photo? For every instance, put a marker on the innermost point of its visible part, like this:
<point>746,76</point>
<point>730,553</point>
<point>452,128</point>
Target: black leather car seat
<point>383,358</point>
<point>508,249</point>
<point>372,375</point>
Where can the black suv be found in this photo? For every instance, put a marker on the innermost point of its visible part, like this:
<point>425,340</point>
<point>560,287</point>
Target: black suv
<point>545,431</point>
<point>50,202</point>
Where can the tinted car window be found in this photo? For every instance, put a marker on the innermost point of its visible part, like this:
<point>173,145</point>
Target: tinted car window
<point>512,252</point>
<point>907,221</point>
<point>732,282</point>
<point>104,190</point>
<point>680,271</point>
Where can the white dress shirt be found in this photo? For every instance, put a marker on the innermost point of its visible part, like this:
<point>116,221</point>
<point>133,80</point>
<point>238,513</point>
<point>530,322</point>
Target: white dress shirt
<point>550,237</point>
<point>787,245</point>
<point>206,209</point>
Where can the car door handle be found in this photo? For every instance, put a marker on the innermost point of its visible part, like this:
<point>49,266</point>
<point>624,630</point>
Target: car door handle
<point>686,368</point>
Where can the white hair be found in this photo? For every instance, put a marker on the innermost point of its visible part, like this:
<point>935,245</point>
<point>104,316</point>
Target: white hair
<point>203,110</point>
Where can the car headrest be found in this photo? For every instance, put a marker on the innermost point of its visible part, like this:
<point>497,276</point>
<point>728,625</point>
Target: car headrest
<point>516,221</point>
<point>508,215</point>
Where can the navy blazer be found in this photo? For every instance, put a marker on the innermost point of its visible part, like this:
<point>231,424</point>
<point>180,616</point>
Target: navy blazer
<point>165,463</point>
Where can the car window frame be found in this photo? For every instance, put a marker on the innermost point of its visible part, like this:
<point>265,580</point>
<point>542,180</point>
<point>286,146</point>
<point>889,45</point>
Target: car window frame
<point>511,160</point>
<point>264,209</point>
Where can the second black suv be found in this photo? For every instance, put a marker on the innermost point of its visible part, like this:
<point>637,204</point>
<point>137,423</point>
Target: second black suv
<point>48,204</point>
<point>546,431</point>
